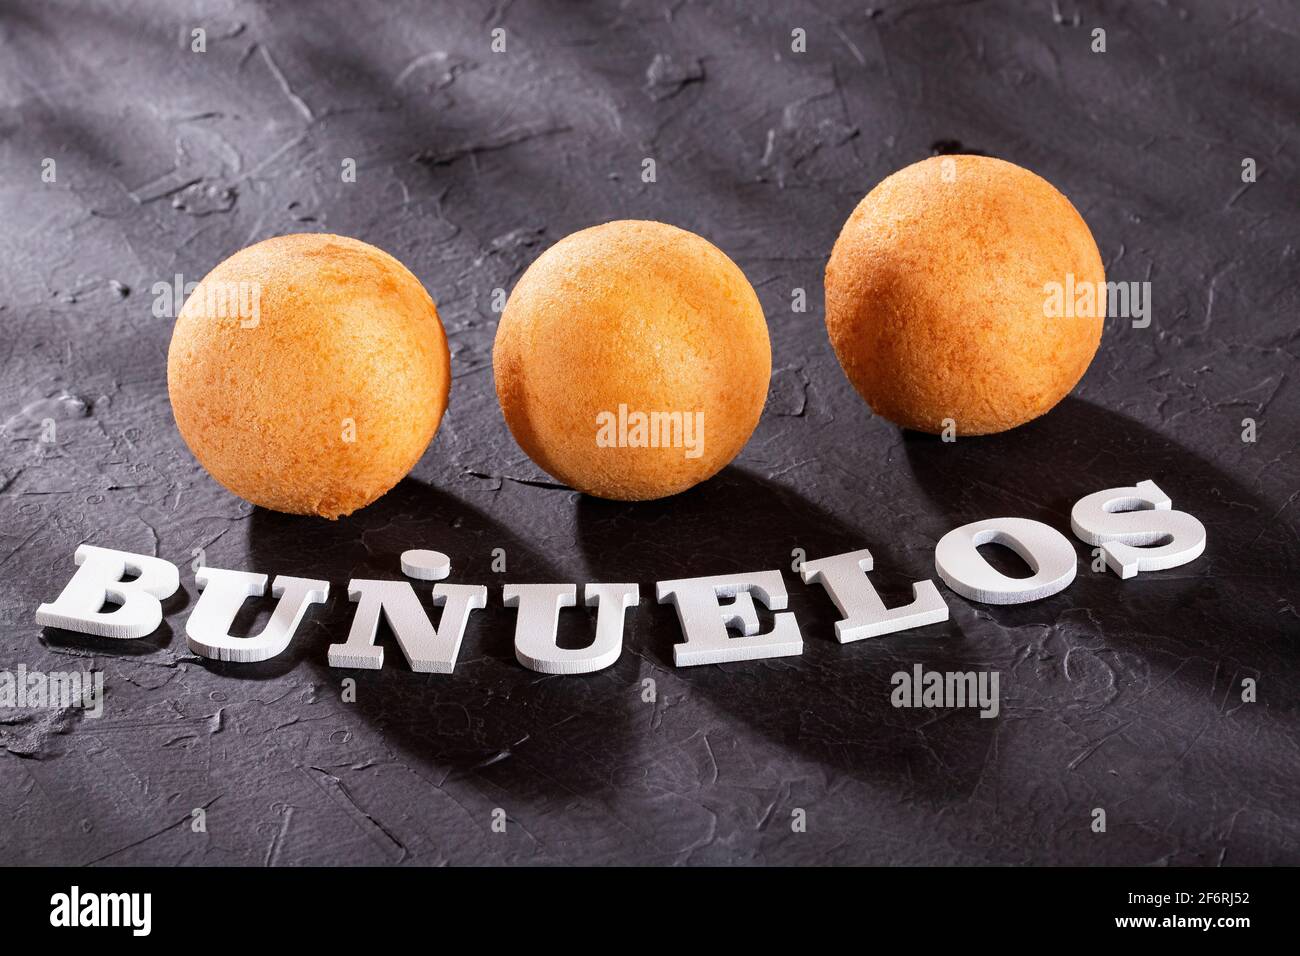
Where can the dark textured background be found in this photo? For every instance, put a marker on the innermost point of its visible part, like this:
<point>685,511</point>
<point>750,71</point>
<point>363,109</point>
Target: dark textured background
<point>1122,695</point>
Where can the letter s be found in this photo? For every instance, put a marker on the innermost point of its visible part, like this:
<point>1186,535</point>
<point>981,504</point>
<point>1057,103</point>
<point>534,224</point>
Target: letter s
<point>1136,529</point>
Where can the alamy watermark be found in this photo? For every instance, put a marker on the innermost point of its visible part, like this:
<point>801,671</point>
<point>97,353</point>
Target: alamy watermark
<point>922,688</point>
<point>22,689</point>
<point>75,908</point>
<point>221,300</point>
<point>635,429</point>
<point>1084,299</point>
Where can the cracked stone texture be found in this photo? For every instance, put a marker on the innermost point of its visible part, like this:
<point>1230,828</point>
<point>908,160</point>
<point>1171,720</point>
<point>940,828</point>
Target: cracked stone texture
<point>1124,695</point>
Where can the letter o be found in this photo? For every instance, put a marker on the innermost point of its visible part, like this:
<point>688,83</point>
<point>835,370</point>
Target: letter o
<point>1048,552</point>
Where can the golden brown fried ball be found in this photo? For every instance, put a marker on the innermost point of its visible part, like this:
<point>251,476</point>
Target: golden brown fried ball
<point>620,323</point>
<point>936,293</point>
<point>308,373</point>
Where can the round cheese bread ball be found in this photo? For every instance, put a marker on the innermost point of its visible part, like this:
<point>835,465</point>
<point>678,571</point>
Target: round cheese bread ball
<point>308,373</point>
<point>939,296</point>
<point>632,360</point>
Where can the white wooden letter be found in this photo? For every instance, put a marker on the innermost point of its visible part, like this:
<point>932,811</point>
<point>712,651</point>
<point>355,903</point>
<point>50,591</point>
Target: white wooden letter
<point>704,619</point>
<point>99,579</point>
<point>865,615</point>
<point>1131,539</point>
<point>222,595</point>
<point>1047,552</point>
<point>539,611</point>
<point>428,650</point>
